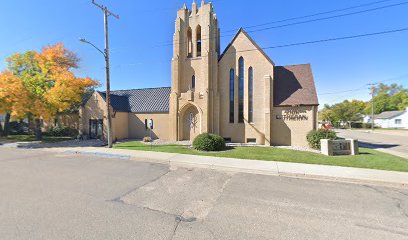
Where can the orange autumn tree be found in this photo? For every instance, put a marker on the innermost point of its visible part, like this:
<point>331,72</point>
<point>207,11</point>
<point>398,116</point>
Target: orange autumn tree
<point>38,85</point>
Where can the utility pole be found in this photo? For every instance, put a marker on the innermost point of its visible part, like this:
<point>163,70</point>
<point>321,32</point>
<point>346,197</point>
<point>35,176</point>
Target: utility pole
<point>372,106</point>
<point>107,13</point>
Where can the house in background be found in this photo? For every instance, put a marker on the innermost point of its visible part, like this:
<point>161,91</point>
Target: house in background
<point>390,119</point>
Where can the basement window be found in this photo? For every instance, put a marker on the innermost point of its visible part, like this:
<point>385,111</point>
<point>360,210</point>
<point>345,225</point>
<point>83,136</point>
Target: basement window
<point>251,140</point>
<point>228,140</point>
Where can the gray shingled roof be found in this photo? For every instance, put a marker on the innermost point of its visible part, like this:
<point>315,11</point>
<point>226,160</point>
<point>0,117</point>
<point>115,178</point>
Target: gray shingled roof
<point>388,114</point>
<point>140,100</point>
<point>294,85</point>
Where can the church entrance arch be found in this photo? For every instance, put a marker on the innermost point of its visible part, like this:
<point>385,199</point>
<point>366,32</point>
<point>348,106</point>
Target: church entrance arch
<point>189,122</point>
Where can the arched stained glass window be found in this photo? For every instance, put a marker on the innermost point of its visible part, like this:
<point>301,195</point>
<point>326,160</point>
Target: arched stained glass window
<point>250,95</point>
<point>231,95</point>
<point>241,90</point>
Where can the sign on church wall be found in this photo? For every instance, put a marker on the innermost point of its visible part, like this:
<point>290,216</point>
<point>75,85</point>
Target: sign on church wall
<point>293,114</point>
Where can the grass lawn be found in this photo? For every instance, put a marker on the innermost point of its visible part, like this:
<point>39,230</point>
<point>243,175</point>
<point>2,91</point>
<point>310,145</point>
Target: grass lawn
<point>30,138</point>
<point>368,158</point>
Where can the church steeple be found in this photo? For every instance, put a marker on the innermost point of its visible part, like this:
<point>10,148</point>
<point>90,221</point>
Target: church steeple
<point>194,7</point>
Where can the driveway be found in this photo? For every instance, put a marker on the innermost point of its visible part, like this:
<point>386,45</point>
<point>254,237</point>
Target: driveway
<point>62,196</point>
<point>391,141</point>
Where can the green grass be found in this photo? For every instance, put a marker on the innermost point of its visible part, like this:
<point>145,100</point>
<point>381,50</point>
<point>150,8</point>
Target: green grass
<point>30,138</point>
<point>368,158</point>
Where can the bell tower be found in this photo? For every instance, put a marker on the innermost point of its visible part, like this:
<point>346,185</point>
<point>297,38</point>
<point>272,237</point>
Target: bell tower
<point>194,88</point>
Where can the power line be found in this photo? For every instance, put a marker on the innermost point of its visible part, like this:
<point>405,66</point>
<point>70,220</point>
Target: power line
<point>312,15</point>
<point>329,39</point>
<point>313,42</point>
<point>330,17</point>
<point>364,86</point>
<point>301,22</point>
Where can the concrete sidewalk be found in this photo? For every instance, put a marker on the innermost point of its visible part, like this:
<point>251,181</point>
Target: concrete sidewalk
<point>250,166</point>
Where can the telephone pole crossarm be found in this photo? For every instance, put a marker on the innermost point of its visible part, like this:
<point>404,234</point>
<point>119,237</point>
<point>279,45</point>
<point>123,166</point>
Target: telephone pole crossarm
<point>105,9</point>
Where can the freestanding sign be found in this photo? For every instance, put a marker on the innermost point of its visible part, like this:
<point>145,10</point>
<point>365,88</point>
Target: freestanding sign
<point>150,123</point>
<point>339,147</point>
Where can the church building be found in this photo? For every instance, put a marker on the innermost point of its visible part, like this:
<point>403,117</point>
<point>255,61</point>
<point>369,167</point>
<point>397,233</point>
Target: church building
<point>239,93</point>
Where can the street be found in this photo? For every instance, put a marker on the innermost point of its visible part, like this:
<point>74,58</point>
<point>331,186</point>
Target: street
<point>46,195</point>
<point>392,141</point>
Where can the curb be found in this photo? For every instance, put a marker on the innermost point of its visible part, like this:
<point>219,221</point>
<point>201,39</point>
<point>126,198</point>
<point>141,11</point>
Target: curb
<point>259,167</point>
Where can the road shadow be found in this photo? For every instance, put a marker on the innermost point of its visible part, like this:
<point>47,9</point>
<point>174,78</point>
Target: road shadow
<point>62,144</point>
<point>376,145</point>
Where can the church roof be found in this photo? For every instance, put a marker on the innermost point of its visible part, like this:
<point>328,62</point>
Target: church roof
<point>294,85</point>
<point>145,100</point>
<point>241,30</point>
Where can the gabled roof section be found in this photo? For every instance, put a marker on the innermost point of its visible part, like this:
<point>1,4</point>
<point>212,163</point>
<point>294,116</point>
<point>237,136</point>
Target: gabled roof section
<point>388,114</point>
<point>147,100</point>
<point>242,31</point>
<point>294,86</point>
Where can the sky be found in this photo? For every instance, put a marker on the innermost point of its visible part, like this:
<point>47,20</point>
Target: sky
<point>141,51</point>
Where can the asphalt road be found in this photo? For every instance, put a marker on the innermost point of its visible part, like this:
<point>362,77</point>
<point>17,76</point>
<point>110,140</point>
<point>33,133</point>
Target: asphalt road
<point>49,196</point>
<point>390,141</point>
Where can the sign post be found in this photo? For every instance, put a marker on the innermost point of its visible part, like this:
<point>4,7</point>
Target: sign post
<point>151,129</point>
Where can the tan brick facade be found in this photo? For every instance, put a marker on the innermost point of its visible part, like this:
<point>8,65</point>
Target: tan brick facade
<point>283,98</point>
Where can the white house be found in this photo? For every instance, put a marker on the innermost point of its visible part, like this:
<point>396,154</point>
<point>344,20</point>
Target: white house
<point>390,119</point>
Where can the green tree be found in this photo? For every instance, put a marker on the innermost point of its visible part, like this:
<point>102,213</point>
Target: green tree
<point>38,85</point>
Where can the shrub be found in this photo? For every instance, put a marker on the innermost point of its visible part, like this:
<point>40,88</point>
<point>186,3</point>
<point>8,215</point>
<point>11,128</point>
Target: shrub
<point>314,137</point>
<point>367,125</point>
<point>147,139</point>
<point>62,132</point>
<point>19,128</point>
<point>209,142</point>
<point>357,125</point>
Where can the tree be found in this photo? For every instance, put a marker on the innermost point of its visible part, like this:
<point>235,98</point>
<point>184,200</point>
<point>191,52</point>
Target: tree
<point>388,98</point>
<point>38,85</point>
<point>345,112</point>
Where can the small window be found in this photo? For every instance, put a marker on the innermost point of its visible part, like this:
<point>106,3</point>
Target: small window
<point>193,82</point>
<point>398,121</point>
<point>251,140</point>
<point>228,140</point>
<point>146,127</point>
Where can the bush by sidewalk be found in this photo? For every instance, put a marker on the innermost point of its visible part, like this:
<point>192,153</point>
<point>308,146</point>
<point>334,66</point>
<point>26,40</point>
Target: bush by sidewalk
<point>209,142</point>
<point>314,137</point>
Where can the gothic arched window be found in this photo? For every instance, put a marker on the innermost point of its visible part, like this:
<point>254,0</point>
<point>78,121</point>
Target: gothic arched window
<point>250,95</point>
<point>198,34</point>
<point>189,43</point>
<point>193,82</point>
<point>231,95</point>
<point>241,90</point>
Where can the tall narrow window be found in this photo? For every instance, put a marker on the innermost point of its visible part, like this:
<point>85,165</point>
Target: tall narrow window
<point>198,41</point>
<point>193,82</point>
<point>241,91</point>
<point>189,43</point>
<point>250,95</point>
<point>231,96</point>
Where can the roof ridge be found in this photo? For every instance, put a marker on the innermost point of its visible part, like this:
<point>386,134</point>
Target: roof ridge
<point>139,89</point>
<point>294,64</point>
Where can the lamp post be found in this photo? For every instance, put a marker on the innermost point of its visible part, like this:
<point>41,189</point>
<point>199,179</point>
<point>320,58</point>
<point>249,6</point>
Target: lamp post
<point>106,56</point>
<point>106,14</point>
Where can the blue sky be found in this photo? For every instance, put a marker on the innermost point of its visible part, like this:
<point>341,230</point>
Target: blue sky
<point>140,54</point>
